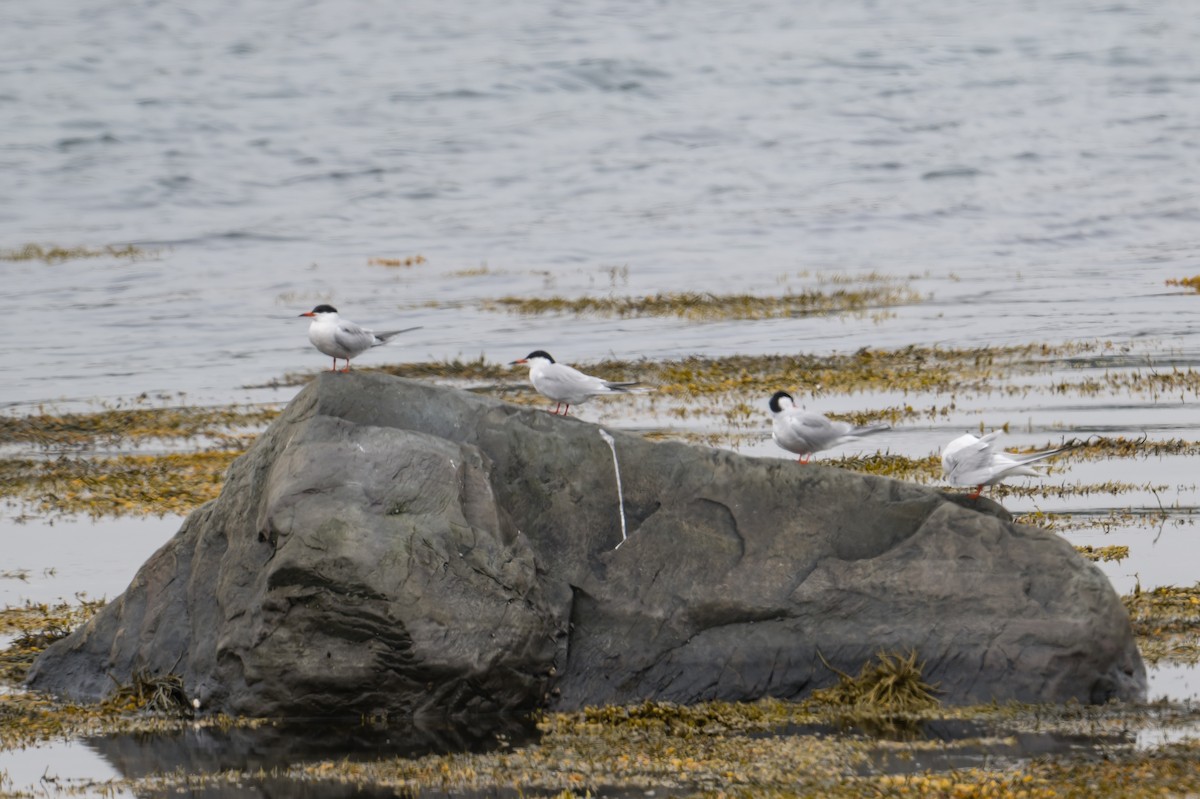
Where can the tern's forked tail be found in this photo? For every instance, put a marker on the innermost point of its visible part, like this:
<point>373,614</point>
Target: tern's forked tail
<point>868,429</point>
<point>628,386</point>
<point>383,337</point>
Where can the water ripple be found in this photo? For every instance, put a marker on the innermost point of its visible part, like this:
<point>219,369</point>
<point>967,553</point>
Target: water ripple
<point>288,144</point>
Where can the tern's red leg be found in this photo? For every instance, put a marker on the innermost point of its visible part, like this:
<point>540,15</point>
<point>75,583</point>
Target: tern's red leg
<point>804,458</point>
<point>975,494</point>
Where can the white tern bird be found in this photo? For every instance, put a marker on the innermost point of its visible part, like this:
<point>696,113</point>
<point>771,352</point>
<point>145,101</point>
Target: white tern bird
<point>341,338</point>
<point>973,461</point>
<point>567,385</point>
<point>805,432</point>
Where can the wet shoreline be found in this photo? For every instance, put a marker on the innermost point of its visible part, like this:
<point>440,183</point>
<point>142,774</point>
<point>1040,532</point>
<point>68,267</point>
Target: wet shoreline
<point>698,401</point>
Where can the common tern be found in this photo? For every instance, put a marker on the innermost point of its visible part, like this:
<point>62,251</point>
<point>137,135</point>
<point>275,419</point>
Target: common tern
<point>567,385</point>
<point>805,432</point>
<point>973,461</point>
<point>341,338</point>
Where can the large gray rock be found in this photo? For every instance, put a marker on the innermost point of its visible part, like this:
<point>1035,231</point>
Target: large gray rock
<point>393,546</point>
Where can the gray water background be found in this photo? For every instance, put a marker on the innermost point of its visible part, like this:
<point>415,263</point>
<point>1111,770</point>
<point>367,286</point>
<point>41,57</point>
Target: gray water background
<point>1031,166</point>
<point>1034,162</point>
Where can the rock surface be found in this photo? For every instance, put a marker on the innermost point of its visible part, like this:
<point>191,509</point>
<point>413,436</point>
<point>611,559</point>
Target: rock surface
<point>391,546</point>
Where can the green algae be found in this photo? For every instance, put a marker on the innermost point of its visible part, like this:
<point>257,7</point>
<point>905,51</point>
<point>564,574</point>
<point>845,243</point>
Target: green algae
<point>1156,384</point>
<point>1106,520</point>
<point>135,426</point>
<point>475,271</point>
<point>1102,447</point>
<point>456,369</point>
<point>33,627</point>
<point>172,483</point>
<point>887,464</point>
<point>907,370</point>
<point>910,369</point>
<point>1110,553</point>
<point>710,306</point>
<point>61,472</point>
<point>410,260</point>
<point>1172,771</point>
<point>1048,490</point>
<point>1167,622</point>
<point>156,693</point>
<point>1192,282</point>
<point>889,684</point>
<point>55,254</point>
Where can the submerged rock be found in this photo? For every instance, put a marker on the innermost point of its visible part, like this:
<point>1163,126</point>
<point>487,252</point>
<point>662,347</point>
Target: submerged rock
<point>388,546</point>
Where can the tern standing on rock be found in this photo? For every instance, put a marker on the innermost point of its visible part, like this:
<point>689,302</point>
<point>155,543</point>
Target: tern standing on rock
<point>972,461</point>
<point>566,384</point>
<point>341,338</point>
<point>805,432</point>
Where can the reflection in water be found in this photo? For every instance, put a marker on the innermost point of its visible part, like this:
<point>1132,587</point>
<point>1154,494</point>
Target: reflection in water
<point>259,755</point>
<point>989,744</point>
<point>277,747</point>
<point>967,744</point>
<point>1177,682</point>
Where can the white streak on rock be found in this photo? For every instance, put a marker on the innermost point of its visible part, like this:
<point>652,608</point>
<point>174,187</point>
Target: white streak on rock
<point>617,469</point>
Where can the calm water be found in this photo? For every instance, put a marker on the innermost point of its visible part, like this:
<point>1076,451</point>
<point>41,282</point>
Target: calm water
<point>1037,161</point>
<point>1032,165</point>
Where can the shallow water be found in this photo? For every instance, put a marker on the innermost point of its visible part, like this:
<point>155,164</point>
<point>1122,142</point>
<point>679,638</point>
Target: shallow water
<point>1038,172</point>
<point>1034,179</point>
<point>45,768</point>
<point>264,755</point>
<point>65,557</point>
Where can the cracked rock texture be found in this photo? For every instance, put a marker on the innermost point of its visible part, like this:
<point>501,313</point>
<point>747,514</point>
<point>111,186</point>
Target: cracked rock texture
<point>388,546</point>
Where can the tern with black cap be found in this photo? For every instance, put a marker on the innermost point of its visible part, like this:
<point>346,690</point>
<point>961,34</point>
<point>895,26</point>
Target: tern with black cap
<point>566,385</point>
<point>340,338</point>
<point>805,432</point>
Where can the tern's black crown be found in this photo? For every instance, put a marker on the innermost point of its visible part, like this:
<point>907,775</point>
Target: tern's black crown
<point>775,398</point>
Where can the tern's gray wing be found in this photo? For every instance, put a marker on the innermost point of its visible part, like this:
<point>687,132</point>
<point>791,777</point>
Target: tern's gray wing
<point>352,338</point>
<point>1008,464</point>
<point>561,382</point>
<point>382,338</point>
<point>812,432</point>
<point>868,429</point>
<point>968,460</point>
